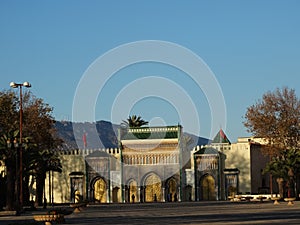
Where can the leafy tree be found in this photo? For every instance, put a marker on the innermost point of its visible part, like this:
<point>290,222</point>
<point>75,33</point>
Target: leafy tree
<point>134,121</point>
<point>37,117</point>
<point>40,162</point>
<point>285,167</point>
<point>39,126</point>
<point>8,123</point>
<point>276,119</point>
<point>39,133</point>
<point>9,117</point>
<point>8,157</point>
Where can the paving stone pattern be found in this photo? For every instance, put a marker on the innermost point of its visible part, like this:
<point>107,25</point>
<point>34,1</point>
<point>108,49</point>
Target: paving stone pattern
<point>179,213</point>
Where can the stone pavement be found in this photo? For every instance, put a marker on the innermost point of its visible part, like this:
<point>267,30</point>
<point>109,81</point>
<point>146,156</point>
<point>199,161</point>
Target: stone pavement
<point>179,213</point>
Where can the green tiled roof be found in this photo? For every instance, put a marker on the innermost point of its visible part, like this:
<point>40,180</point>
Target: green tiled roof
<point>221,138</point>
<point>150,133</point>
<point>208,150</point>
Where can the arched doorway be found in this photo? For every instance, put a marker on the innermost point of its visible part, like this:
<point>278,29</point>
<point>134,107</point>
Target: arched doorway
<point>171,190</point>
<point>115,194</point>
<point>207,184</point>
<point>100,191</point>
<point>133,191</point>
<point>153,188</point>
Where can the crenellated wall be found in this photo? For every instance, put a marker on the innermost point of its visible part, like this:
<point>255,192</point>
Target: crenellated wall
<point>72,161</point>
<point>84,152</point>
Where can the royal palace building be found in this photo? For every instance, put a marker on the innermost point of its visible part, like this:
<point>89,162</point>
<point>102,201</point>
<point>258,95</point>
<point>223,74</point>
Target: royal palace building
<point>155,164</point>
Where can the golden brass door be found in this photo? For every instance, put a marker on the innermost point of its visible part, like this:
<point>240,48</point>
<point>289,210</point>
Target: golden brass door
<point>133,191</point>
<point>208,188</point>
<point>153,189</point>
<point>100,191</point>
<point>115,194</point>
<point>171,190</point>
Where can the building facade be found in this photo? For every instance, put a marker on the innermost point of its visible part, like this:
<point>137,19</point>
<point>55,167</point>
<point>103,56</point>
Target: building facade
<point>153,164</point>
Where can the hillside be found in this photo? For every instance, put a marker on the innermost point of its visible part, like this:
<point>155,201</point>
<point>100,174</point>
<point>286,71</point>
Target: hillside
<point>107,132</point>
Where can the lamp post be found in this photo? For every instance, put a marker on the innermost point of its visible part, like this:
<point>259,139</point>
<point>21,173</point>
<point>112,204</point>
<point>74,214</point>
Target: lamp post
<point>20,85</point>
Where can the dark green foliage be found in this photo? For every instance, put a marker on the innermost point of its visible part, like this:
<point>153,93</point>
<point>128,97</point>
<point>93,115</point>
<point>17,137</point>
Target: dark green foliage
<point>134,121</point>
<point>276,119</point>
<point>38,137</point>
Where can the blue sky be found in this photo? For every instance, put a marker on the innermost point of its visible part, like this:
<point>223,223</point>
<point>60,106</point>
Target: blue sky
<point>251,47</point>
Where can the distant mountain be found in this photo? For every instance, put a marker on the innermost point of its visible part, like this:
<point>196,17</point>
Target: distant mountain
<point>72,133</point>
<point>195,140</point>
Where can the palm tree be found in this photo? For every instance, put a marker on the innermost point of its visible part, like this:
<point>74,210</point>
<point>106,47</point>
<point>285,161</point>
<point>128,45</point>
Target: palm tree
<point>40,162</point>
<point>134,121</point>
<point>276,168</point>
<point>284,168</point>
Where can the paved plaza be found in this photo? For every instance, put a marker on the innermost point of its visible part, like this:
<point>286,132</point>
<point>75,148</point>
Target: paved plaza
<point>178,213</point>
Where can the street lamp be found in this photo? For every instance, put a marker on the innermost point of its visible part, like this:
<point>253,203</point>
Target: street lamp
<point>20,85</point>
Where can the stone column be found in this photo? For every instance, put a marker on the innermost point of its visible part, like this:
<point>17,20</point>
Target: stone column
<point>163,195</point>
<point>107,195</point>
<point>179,194</point>
<point>138,194</point>
<point>124,194</point>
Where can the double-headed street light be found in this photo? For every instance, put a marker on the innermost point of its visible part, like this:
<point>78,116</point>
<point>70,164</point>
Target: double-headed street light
<point>20,85</point>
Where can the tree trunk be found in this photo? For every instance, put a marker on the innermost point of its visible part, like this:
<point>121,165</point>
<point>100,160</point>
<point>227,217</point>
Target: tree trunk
<point>26,194</point>
<point>10,175</point>
<point>280,182</point>
<point>2,192</point>
<point>297,187</point>
<point>40,182</point>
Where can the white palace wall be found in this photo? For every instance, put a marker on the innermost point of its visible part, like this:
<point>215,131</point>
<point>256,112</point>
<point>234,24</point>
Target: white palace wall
<point>71,161</point>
